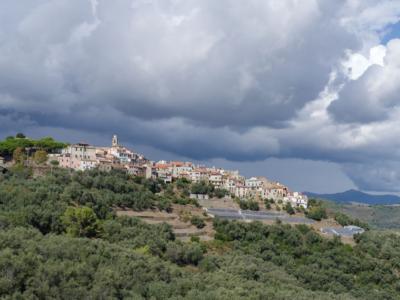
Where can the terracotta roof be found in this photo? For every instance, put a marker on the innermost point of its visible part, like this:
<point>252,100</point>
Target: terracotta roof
<point>215,173</point>
<point>162,166</point>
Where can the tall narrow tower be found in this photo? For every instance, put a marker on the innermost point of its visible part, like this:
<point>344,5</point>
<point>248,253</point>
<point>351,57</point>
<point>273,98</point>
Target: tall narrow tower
<point>115,141</point>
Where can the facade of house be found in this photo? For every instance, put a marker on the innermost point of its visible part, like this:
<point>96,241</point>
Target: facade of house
<point>229,184</point>
<point>199,196</point>
<point>149,171</point>
<point>241,191</point>
<point>215,179</point>
<point>296,199</point>
<point>180,169</point>
<point>74,155</point>
<point>253,183</point>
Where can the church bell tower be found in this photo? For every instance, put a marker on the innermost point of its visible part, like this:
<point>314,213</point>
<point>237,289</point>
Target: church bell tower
<point>115,141</point>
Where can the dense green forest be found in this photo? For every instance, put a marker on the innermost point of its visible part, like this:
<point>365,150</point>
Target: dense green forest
<point>60,239</point>
<point>46,202</point>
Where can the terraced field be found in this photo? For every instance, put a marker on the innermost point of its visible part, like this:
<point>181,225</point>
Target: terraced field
<point>179,219</point>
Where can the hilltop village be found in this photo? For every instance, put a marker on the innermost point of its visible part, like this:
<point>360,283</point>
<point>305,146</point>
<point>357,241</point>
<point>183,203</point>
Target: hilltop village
<point>83,156</point>
<point>57,205</point>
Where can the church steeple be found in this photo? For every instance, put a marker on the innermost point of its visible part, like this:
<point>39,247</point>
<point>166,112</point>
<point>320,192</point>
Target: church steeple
<point>115,141</point>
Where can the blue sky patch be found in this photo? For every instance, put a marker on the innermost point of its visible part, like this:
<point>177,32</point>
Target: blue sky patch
<point>392,33</point>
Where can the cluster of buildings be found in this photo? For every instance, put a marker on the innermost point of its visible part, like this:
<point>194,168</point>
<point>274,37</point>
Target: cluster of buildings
<point>232,181</point>
<point>84,157</point>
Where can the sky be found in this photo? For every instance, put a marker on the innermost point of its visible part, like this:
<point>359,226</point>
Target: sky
<point>304,92</point>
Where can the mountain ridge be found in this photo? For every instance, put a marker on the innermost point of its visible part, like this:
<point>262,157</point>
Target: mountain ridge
<point>357,196</point>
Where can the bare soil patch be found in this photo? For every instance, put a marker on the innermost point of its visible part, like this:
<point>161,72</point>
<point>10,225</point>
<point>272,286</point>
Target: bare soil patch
<point>219,203</point>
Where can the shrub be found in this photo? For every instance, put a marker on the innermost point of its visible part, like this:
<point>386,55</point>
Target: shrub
<point>20,135</point>
<point>243,204</point>
<point>54,163</point>
<point>249,205</point>
<point>209,264</point>
<point>220,193</point>
<point>267,203</point>
<point>317,213</point>
<point>195,239</point>
<point>182,183</point>
<point>80,222</point>
<point>202,187</point>
<point>253,205</point>
<point>289,209</point>
<point>345,220</point>
<point>184,254</point>
<point>19,155</point>
<point>198,222</point>
<point>164,204</point>
<point>40,157</point>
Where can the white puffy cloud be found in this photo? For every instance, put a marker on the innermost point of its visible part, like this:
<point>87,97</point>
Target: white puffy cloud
<point>357,63</point>
<point>375,94</point>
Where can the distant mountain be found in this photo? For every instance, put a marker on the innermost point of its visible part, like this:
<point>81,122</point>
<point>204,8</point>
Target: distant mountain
<point>357,196</point>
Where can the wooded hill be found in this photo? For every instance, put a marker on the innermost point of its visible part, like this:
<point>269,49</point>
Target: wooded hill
<point>60,239</point>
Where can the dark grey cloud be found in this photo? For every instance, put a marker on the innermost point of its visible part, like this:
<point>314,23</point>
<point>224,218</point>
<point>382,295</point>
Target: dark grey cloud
<point>219,64</point>
<point>382,176</point>
<point>200,79</point>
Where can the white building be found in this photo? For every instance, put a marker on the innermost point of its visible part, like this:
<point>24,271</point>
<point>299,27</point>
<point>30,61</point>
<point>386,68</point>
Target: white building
<point>181,169</point>
<point>72,156</point>
<point>242,191</point>
<point>194,175</point>
<point>296,199</point>
<point>87,164</point>
<point>230,185</point>
<point>215,179</point>
<point>253,183</point>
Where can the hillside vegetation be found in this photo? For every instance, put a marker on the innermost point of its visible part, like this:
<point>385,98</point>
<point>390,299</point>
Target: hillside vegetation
<point>358,197</point>
<point>61,239</point>
<point>377,216</point>
<point>10,144</point>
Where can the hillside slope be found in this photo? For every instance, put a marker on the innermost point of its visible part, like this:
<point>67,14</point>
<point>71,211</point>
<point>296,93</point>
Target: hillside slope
<point>60,238</point>
<point>357,196</point>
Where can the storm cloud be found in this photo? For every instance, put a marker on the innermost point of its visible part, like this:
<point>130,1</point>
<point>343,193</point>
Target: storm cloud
<point>207,79</point>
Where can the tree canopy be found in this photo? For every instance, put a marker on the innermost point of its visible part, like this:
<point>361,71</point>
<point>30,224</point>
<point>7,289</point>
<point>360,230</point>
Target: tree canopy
<point>61,239</point>
<point>10,144</point>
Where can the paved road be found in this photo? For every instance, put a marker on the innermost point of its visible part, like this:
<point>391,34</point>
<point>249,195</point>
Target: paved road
<point>225,213</point>
<point>256,215</point>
